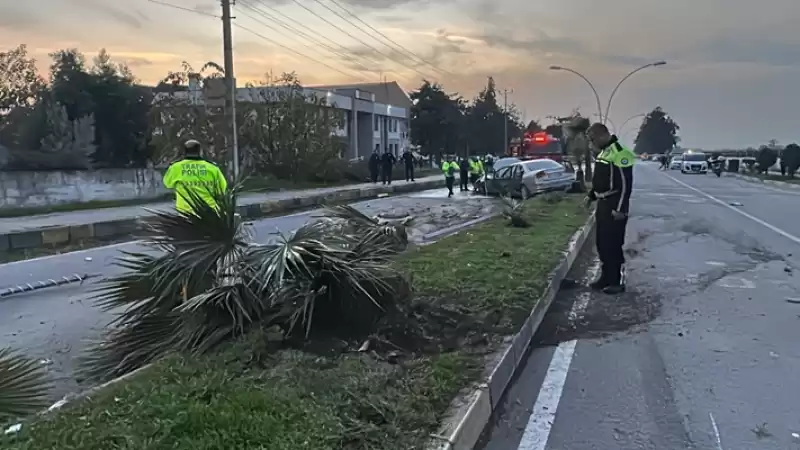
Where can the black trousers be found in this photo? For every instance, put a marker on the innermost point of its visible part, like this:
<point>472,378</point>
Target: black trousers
<point>409,172</point>
<point>373,175</point>
<point>449,182</point>
<point>610,237</point>
<point>463,180</point>
<point>386,174</point>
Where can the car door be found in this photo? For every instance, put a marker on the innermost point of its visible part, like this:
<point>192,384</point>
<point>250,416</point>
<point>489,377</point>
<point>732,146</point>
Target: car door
<point>501,181</point>
<point>515,183</point>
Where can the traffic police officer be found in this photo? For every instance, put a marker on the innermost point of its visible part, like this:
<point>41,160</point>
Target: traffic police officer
<point>194,176</point>
<point>611,188</point>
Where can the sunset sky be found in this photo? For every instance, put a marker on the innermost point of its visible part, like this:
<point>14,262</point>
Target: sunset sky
<point>732,78</point>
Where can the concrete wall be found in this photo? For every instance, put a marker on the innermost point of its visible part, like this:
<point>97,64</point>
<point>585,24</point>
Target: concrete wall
<point>32,189</point>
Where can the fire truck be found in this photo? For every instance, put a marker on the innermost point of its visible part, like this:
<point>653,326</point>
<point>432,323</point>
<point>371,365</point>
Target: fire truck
<point>536,145</point>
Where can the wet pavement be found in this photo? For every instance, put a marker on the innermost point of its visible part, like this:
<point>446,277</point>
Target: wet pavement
<point>53,324</point>
<point>700,353</point>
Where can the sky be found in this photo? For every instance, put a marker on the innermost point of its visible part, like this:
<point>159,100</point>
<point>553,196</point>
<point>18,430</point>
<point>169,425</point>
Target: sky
<point>731,78</point>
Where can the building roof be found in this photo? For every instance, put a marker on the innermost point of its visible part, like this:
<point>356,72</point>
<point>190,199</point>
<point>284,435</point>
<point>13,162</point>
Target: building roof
<point>389,93</point>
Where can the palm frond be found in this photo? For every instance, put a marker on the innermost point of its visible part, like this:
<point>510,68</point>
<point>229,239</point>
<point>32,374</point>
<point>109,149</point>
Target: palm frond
<point>513,210</point>
<point>23,386</point>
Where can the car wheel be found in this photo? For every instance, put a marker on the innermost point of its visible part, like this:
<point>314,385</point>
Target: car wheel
<point>525,193</point>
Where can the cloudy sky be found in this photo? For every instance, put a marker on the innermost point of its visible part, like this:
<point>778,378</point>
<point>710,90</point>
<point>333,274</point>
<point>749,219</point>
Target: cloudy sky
<point>732,78</point>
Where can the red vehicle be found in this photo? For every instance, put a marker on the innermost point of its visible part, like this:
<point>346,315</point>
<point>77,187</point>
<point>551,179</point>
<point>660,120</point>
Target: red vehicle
<point>536,146</point>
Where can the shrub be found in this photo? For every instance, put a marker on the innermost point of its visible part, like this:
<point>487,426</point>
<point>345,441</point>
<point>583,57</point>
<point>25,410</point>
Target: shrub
<point>790,158</point>
<point>766,158</point>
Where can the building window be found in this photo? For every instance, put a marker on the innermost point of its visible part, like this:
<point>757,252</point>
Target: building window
<point>377,123</point>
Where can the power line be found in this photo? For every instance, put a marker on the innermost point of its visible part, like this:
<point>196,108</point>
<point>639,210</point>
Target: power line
<point>390,40</point>
<point>170,5</point>
<point>279,32</point>
<point>304,35</point>
<point>289,49</point>
<point>353,37</point>
<point>273,42</point>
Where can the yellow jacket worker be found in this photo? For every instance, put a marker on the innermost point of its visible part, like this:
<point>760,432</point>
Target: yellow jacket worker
<point>196,175</point>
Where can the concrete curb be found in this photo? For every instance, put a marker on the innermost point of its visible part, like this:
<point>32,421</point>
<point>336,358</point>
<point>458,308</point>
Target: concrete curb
<point>55,237</point>
<point>470,414</point>
<point>775,183</point>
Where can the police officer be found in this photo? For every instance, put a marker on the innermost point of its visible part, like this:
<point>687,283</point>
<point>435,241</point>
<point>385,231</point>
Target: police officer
<point>194,176</point>
<point>388,161</point>
<point>611,188</point>
<point>450,168</point>
<point>475,171</point>
<point>463,175</point>
<point>374,166</point>
<point>408,159</point>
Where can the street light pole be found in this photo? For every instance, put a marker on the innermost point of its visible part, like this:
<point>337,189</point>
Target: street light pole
<point>505,119</point>
<point>616,88</point>
<point>628,120</point>
<point>230,84</point>
<point>596,95</point>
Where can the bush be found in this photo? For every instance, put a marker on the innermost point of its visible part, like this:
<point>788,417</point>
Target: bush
<point>790,158</point>
<point>766,158</point>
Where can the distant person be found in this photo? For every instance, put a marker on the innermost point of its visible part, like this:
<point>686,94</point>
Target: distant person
<point>463,179</point>
<point>388,161</point>
<point>194,176</point>
<point>449,168</point>
<point>408,160</point>
<point>612,185</point>
<point>374,166</point>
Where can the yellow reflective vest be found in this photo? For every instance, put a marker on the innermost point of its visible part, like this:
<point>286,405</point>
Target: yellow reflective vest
<point>194,175</point>
<point>450,169</point>
<point>476,167</point>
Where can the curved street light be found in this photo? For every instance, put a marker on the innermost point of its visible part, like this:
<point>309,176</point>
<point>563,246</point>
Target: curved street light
<point>627,120</point>
<point>616,88</point>
<point>596,95</point>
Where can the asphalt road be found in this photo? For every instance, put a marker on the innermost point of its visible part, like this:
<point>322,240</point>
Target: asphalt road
<point>54,324</point>
<point>700,353</point>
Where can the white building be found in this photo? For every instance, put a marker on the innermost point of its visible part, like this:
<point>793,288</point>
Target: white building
<point>375,114</point>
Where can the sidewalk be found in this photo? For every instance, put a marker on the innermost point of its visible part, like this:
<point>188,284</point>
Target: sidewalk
<point>59,229</point>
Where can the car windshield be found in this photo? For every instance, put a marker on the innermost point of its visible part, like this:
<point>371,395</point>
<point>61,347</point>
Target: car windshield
<point>677,158</point>
<point>541,164</point>
<point>695,157</point>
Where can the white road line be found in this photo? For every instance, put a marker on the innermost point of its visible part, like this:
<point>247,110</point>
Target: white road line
<point>717,437</point>
<point>755,219</point>
<point>540,422</point>
<point>537,432</point>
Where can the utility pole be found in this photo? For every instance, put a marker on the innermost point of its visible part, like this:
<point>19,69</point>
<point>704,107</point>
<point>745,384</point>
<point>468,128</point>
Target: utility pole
<point>505,118</point>
<point>231,138</point>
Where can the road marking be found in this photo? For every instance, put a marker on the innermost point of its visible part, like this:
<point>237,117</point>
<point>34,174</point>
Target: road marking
<point>716,263</point>
<point>717,437</point>
<point>537,431</point>
<point>540,422</point>
<point>755,219</point>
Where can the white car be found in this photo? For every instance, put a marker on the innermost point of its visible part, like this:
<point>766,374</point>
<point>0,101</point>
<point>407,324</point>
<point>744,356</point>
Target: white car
<point>694,163</point>
<point>676,162</point>
<point>527,178</point>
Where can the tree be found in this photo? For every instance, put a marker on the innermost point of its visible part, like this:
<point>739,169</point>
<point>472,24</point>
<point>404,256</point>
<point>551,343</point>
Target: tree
<point>288,132</point>
<point>23,386</point>
<point>20,82</point>
<point>766,158</point>
<point>175,116</point>
<point>485,122</point>
<point>437,120</point>
<point>20,88</point>
<point>657,134</point>
<point>533,127</point>
<point>72,140</point>
<point>790,158</point>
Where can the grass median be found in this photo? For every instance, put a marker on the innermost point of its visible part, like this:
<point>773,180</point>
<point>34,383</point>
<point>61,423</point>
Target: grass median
<point>470,290</point>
